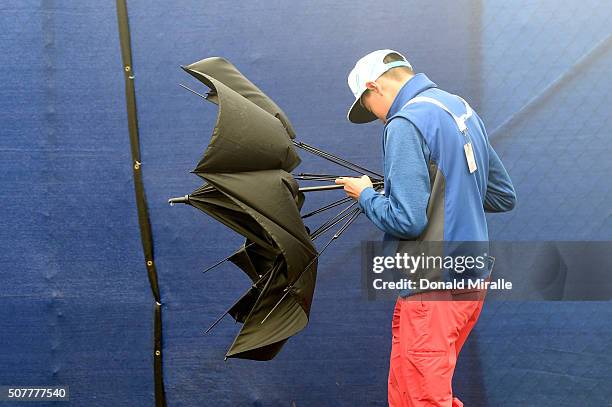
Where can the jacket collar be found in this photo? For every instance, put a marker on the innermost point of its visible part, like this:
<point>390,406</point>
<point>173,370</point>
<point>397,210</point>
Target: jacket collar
<point>415,85</point>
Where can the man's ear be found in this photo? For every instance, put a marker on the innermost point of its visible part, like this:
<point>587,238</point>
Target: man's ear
<point>374,87</point>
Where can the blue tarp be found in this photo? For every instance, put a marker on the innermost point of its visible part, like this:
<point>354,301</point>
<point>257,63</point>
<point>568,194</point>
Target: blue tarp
<point>75,304</point>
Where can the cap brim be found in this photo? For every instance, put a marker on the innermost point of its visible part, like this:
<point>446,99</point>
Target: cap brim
<point>359,114</point>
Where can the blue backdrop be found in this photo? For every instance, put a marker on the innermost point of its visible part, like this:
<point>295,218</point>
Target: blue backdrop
<point>75,304</point>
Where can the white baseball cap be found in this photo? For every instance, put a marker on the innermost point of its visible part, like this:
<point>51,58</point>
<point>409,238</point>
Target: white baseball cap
<point>367,69</point>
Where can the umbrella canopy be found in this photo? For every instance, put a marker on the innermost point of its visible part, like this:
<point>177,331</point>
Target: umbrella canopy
<point>249,189</point>
<point>224,71</point>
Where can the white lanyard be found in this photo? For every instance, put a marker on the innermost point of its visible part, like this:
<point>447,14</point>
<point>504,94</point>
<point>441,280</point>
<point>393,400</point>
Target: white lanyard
<point>460,121</point>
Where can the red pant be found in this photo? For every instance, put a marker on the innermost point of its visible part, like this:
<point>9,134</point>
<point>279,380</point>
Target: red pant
<point>429,330</point>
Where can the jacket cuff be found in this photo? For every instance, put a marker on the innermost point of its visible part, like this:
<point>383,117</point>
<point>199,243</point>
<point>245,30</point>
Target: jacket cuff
<point>366,196</point>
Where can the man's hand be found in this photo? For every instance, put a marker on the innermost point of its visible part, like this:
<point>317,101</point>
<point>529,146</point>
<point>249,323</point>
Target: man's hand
<point>354,186</point>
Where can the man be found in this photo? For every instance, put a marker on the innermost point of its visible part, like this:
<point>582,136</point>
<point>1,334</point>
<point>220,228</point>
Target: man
<point>441,175</point>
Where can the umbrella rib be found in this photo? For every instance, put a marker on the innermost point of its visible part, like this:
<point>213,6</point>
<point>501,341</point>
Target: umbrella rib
<point>334,220</point>
<point>310,174</point>
<point>311,178</point>
<point>323,177</point>
<point>354,214</point>
<point>193,91</point>
<point>347,164</point>
<point>225,259</point>
<point>326,207</point>
<point>254,285</point>
<point>335,159</point>
<point>214,324</point>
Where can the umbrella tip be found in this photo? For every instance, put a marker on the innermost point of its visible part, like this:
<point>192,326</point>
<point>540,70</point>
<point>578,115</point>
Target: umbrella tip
<point>181,199</point>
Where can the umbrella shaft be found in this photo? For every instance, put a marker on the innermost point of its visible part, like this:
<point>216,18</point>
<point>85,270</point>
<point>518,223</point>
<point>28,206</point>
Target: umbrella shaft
<point>321,188</point>
<point>328,187</point>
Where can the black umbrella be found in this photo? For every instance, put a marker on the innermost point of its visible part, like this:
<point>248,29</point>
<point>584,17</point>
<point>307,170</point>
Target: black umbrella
<point>250,189</point>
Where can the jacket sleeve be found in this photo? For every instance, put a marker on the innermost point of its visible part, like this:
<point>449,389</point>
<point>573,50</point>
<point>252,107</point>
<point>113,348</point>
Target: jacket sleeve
<point>404,212</point>
<point>500,196</point>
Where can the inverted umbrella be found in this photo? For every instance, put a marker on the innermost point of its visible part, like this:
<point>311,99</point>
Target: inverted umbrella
<point>250,189</point>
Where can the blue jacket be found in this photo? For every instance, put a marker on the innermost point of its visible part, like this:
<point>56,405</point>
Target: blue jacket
<point>429,193</point>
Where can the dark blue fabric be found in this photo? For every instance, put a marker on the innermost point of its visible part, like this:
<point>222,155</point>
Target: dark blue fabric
<point>75,303</point>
